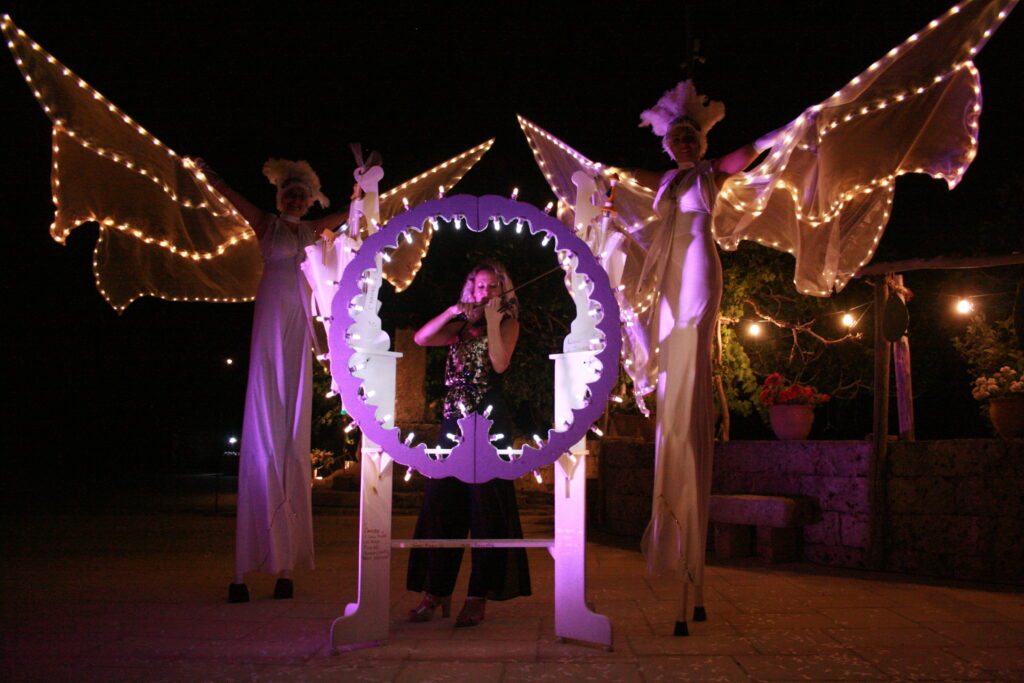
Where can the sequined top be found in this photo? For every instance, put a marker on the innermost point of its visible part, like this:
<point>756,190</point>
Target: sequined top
<point>469,375</point>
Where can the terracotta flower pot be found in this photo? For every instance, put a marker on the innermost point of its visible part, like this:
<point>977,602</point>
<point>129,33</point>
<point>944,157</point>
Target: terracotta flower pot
<point>1007,415</point>
<point>792,422</point>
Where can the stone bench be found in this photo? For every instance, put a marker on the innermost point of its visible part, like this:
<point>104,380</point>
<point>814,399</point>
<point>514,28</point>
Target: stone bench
<point>778,521</point>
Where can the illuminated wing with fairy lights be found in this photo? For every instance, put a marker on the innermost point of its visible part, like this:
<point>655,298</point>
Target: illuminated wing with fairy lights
<point>825,192</point>
<point>408,257</point>
<point>163,230</point>
<point>619,238</point>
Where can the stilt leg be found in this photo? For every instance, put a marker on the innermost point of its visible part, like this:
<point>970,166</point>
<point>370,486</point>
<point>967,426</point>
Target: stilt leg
<point>685,610</point>
<point>699,613</point>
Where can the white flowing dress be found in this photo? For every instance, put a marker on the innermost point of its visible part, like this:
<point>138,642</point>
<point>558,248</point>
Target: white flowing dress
<point>274,522</point>
<point>690,294</point>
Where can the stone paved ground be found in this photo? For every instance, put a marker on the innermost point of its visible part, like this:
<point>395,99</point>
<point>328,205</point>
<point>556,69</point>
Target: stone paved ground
<point>129,585</point>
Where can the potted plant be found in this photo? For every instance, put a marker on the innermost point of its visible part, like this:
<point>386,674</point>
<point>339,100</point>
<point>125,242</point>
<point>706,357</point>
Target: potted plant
<point>790,406</point>
<point>1004,391</point>
<point>994,357</point>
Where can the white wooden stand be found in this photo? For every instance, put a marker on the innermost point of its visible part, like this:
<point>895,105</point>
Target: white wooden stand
<point>366,621</point>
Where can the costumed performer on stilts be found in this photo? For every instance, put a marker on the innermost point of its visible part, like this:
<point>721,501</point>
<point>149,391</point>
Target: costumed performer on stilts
<point>274,529</point>
<point>480,332</point>
<point>683,263</point>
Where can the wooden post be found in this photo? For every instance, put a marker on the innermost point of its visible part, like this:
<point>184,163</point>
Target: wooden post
<point>723,401</point>
<point>901,370</point>
<point>879,453</point>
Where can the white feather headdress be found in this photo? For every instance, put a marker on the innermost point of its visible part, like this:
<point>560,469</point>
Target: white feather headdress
<point>285,173</point>
<point>683,102</point>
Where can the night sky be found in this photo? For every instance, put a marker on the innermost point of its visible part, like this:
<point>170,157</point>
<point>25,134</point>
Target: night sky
<point>87,390</point>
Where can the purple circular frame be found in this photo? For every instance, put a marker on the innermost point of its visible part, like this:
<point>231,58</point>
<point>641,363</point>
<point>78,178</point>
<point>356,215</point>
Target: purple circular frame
<point>475,458</point>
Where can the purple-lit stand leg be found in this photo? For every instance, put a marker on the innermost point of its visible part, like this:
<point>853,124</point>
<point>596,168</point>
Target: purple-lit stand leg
<point>573,617</point>
<point>365,623</point>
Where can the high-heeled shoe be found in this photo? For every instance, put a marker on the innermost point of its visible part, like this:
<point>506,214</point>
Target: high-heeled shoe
<point>425,610</point>
<point>472,612</point>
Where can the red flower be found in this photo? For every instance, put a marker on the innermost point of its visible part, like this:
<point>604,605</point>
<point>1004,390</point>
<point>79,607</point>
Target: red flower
<point>773,379</point>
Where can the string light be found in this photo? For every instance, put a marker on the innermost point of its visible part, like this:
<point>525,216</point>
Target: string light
<point>754,330</point>
<point>214,205</point>
<point>964,306</point>
<point>806,133</point>
<point>229,361</point>
<point>848,320</point>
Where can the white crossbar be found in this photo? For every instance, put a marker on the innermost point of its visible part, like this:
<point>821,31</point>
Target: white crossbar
<point>473,543</point>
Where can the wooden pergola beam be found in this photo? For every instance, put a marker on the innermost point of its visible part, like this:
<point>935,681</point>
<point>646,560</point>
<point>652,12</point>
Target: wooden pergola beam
<point>940,263</point>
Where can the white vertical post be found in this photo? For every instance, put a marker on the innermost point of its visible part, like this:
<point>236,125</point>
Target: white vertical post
<point>365,623</point>
<point>366,620</point>
<point>573,617</point>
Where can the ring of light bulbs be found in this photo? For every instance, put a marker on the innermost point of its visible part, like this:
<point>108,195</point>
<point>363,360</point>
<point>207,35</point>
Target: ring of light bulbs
<point>474,458</point>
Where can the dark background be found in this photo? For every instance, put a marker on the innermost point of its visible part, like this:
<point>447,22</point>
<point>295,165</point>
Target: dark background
<point>88,391</point>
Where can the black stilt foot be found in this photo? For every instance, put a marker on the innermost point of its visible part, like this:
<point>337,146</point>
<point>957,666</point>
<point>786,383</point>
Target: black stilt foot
<point>238,592</point>
<point>681,629</point>
<point>700,614</point>
<point>284,589</point>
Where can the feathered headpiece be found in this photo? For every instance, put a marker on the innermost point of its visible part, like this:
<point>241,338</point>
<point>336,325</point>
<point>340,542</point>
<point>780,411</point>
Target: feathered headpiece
<point>683,103</point>
<point>286,173</point>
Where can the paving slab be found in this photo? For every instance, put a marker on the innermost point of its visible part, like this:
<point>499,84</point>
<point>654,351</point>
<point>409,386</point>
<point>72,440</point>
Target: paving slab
<point>109,585</point>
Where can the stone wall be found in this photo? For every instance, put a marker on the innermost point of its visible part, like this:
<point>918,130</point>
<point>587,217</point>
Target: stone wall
<point>834,472</point>
<point>410,406</point>
<point>956,509</point>
<point>625,483</point>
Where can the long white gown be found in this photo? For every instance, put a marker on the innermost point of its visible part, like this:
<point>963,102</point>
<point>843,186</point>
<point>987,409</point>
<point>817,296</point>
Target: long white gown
<point>274,523</point>
<point>690,294</point>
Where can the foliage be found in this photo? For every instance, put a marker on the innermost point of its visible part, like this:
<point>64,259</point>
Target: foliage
<point>738,378</point>
<point>993,355</point>
<point>778,391</point>
<point>987,347</point>
<point>802,336</point>
<point>324,462</point>
<point>328,421</point>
